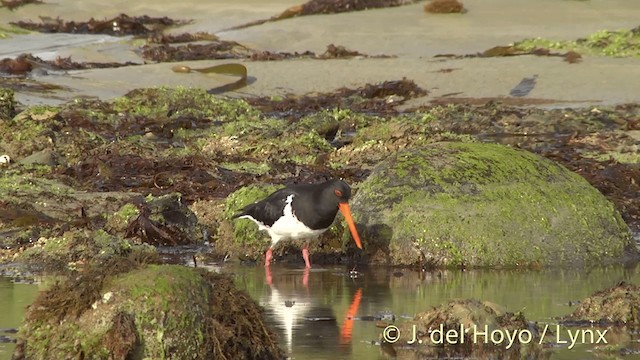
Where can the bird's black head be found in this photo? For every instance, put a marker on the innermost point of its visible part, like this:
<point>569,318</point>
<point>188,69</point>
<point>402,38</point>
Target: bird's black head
<point>340,190</point>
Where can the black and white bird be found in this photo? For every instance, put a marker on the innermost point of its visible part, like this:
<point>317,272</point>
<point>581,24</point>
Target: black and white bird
<point>301,212</point>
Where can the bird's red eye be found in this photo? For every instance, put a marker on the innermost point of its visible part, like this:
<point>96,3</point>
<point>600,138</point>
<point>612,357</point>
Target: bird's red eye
<point>338,193</point>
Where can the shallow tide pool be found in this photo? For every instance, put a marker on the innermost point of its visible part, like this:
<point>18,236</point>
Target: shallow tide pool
<point>309,309</point>
<point>295,309</point>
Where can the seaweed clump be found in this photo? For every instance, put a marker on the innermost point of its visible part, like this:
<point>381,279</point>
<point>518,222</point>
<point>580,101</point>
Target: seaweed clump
<point>618,305</point>
<point>121,25</point>
<point>471,321</point>
<point>444,7</point>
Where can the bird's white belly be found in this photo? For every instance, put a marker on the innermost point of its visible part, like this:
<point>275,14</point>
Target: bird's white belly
<point>289,227</point>
<point>292,228</point>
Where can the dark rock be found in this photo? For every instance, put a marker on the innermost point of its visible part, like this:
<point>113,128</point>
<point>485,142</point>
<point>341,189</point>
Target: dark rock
<point>467,320</point>
<point>617,305</point>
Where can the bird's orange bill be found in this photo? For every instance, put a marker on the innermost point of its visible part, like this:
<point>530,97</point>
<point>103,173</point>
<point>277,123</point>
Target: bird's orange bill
<point>344,209</point>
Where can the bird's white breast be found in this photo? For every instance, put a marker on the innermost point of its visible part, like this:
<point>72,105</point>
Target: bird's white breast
<point>288,226</point>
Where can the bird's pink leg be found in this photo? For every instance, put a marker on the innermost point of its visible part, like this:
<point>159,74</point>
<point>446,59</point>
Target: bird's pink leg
<point>305,256</point>
<point>268,256</point>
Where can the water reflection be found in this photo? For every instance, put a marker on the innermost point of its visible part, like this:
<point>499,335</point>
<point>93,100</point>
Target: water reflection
<point>302,312</point>
<point>341,304</point>
<point>14,298</point>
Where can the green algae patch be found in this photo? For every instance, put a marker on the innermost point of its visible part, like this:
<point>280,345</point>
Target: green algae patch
<point>182,102</point>
<point>75,248</point>
<point>7,32</point>
<point>244,233</point>
<point>146,122</point>
<point>620,43</point>
<point>486,205</point>
<point>29,131</point>
<point>7,103</point>
<point>152,311</point>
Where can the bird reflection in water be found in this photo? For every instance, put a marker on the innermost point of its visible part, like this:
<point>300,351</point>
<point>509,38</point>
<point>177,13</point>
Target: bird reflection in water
<point>304,322</point>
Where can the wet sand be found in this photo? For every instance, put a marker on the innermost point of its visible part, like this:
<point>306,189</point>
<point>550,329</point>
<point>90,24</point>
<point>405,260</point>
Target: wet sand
<point>406,32</point>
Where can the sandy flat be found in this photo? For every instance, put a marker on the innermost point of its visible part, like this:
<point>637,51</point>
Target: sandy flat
<point>408,33</point>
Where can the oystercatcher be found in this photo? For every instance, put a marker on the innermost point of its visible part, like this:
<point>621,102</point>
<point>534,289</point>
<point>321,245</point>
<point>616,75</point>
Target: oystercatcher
<point>301,212</point>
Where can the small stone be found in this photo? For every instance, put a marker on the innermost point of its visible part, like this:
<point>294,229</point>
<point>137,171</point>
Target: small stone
<point>44,157</point>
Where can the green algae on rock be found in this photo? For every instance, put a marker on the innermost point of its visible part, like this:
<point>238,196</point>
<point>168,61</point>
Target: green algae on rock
<point>472,322</point>
<point>622,43</point>
<point>243,235</point>
<point>36,204</point>
<point>75,248</point>
<point>156,311</point>
<point>475,204</point>
<point>7,104</point>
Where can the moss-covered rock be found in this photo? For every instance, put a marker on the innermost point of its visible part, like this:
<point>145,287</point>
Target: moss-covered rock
<point>118,221</point>
<point>29,131</point>
<point>76,248</point>
<point>464,328</point>
<point>30,204</point>
<point>618,305</point>
<point>154,312</point>
<point>164,220</point>
<point>474,204</point>
<point>242,236</point>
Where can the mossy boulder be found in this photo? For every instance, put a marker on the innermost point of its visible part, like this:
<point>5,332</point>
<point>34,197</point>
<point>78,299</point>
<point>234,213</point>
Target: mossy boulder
<point>244,231</point>
<point>476,204</point>
<point>32,206</point>
<point>617,305</point>
<point>241,237</point>
<point>458,328</point>
<point>26,187</point>
<point>152,312</point>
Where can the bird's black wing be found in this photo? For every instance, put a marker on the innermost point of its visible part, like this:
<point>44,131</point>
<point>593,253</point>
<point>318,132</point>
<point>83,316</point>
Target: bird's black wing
<point>268,210</point>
